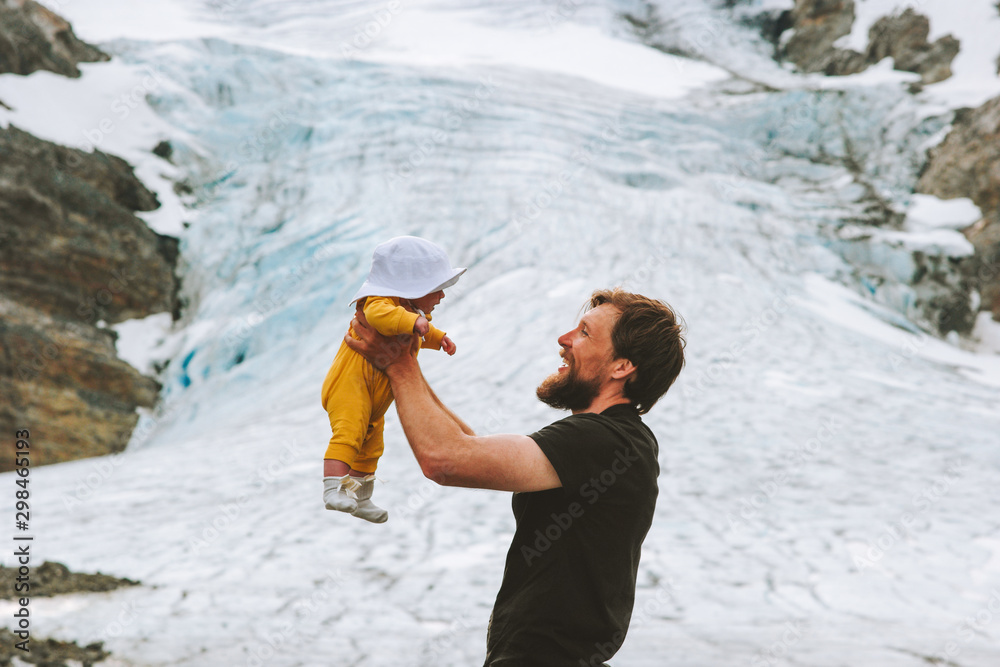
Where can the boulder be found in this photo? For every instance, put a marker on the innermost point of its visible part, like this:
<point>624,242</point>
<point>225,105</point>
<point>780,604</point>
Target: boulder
<point>34,38</point>
<point>903,38</point>
<point>817,24</point>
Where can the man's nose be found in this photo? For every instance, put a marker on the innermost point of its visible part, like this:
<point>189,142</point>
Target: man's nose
<point>565,339</point>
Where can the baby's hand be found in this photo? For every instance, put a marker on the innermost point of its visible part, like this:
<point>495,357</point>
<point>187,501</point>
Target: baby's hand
<point>448,345</point>
<point>421,326</point>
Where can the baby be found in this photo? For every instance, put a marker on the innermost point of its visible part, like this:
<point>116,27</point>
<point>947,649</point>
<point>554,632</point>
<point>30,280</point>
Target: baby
<point>407,279</point>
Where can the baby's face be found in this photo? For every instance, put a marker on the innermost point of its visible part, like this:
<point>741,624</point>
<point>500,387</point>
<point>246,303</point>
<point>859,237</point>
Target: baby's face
<point>427,302</point>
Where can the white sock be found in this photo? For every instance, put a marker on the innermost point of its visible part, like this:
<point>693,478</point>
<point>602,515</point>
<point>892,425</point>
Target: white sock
<point>365,508</point>
<point>340,493</point>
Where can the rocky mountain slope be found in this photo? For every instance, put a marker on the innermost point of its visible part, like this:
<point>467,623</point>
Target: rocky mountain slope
<point>966,164</point>
<point>816,25</point>
<point>73,259</point>
<point>33,38</point>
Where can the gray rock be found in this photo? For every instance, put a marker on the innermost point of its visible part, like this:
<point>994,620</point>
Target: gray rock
<point>34,38</point>
<point>72,253</point>
<point>904,38</point>
<point>817,24</point>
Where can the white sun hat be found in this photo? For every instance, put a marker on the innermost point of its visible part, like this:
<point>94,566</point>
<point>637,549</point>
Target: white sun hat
<point>408,267</point>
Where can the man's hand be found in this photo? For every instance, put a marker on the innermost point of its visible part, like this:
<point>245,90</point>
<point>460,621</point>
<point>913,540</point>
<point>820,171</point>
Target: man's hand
<point>448,345</point>
<point>381,351</point>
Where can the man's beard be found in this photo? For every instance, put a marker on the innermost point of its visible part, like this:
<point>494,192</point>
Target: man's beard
<point>566,391</point>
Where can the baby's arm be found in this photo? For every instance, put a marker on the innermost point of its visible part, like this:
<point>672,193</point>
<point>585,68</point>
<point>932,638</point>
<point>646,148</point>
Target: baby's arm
<point>388,318</point>
<point>434,340</point>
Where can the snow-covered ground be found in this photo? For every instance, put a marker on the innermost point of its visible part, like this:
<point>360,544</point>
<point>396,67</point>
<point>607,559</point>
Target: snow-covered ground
<point>828,494</point>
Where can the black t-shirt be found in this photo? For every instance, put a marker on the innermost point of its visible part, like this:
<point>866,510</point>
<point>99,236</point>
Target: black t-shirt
<point>569,582</point>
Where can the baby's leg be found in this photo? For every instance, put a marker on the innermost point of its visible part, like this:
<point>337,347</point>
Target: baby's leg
<point>371,449</point>
<point>363,470</point>
<point>349,407</point>
<point>335,468</point>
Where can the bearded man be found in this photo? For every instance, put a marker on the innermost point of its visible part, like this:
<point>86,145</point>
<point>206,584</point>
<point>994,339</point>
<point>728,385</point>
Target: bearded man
<point>584,487</point>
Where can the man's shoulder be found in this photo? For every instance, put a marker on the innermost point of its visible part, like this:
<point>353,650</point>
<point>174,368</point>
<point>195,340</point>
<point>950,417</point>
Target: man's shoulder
<point>617,426</point>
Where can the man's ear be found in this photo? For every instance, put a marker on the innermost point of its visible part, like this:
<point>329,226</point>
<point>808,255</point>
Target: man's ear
<point>622,368</point>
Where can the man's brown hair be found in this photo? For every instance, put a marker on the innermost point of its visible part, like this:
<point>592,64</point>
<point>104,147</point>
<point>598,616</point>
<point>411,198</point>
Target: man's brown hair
<point>648,334</point>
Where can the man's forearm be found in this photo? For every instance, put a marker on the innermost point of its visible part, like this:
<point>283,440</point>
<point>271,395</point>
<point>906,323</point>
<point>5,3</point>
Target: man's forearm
<point>461,424</point>
<point>435,434</point>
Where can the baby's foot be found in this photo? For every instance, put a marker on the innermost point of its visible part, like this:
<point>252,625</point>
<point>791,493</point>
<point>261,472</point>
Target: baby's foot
<point>340,493</point>
<point>365,508</point>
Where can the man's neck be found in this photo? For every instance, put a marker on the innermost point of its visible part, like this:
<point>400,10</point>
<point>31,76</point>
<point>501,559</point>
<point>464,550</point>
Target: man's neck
<point>602,403</point>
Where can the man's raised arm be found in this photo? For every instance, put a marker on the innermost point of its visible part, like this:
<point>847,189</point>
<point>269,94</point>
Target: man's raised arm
<point>445,447</point>
<point>461,424</point>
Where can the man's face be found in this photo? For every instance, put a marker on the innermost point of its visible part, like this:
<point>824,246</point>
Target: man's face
<point>587,354</point>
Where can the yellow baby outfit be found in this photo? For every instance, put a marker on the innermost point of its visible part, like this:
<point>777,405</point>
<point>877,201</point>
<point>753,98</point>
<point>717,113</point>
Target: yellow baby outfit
<point>356,394</point>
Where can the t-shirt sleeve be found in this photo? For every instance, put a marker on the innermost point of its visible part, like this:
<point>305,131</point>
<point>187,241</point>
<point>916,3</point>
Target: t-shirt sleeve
<point>579,447</point>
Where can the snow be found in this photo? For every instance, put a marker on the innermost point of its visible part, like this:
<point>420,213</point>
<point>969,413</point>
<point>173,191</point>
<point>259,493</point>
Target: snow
<point>987,333</point>
<point>428,39</point>
<point>846,308</point>
<point>930,212</point>
<point>829,470</point>
<point>105,109</point>
<point>152,20</point>
<point>144,342</point>
<point>944,242</point>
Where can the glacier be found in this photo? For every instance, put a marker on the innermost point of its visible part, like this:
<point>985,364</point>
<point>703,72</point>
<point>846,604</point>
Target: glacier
<point>828,493</point>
